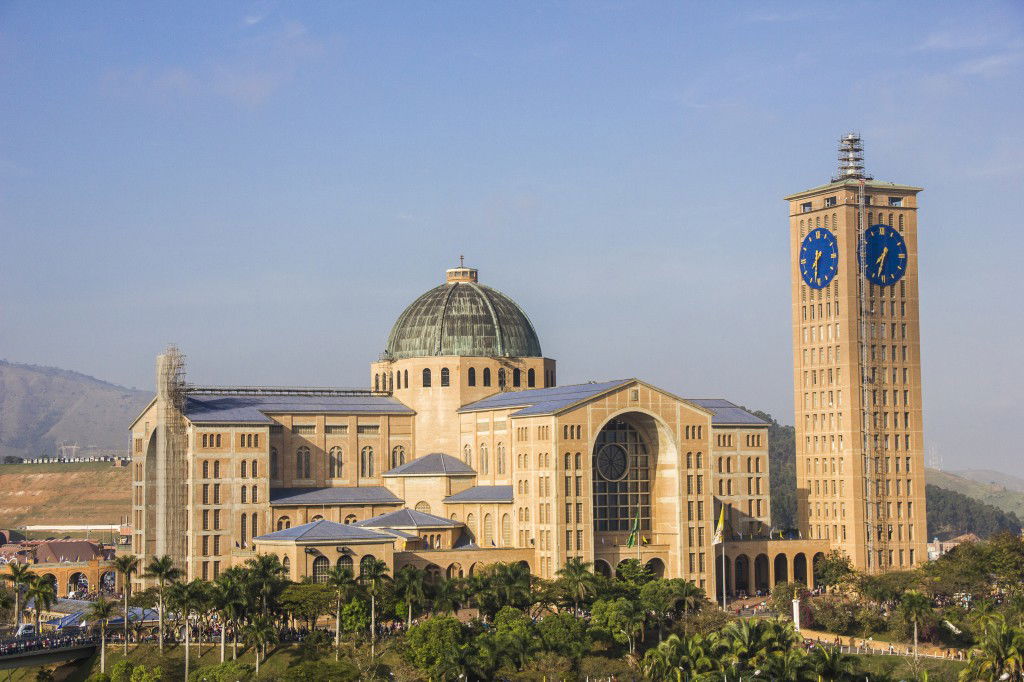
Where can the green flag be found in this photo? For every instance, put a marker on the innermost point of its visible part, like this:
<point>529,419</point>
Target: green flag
<point>635,532</point>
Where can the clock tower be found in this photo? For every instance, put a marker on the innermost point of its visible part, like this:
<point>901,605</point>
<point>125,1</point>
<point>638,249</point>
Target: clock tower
<point>857,366</point>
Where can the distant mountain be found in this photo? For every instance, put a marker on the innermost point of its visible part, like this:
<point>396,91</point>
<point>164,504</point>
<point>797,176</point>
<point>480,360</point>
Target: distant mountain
<point>995,494</point>
<point>42,406</point>
<point>951,514</point>
<point>990,477</point>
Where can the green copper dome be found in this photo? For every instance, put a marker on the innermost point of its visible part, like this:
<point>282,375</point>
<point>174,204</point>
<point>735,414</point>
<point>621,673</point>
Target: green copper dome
<point>462,317</point>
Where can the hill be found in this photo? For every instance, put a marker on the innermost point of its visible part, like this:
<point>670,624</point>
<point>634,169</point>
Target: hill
<point>995,494</point>
<point>951,514</point>
<point>1000,479</point>
<point>42,406</point>
<point>40,494</point>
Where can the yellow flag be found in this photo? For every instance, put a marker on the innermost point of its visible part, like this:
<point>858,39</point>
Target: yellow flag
<point>720,530</point>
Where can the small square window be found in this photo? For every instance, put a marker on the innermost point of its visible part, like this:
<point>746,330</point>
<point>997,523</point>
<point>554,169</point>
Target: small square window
<point>805,207</point>
<point>830,201</point>
<point>895,201</point>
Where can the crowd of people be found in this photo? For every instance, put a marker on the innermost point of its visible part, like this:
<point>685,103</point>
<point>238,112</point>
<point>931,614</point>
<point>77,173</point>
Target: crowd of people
<point>20,645</point>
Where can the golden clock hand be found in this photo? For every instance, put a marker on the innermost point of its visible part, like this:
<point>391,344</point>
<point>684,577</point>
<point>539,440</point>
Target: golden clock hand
<point>881,261</point>
<point>817,257</point>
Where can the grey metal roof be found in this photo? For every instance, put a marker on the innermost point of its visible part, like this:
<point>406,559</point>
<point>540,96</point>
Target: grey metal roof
<point>373,494</point>
<point>407,518</point>
<point>253,409</point>
<point>434,464</point>
<point>481,493</point>
<point>726,413</point>
<point>324,531</point>
<point>466,319</point>
<point>543,400</point>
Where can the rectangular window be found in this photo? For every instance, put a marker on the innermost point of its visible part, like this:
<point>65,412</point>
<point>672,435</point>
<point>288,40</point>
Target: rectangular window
<point>216,519</point>
<point>216,545</point>
<point>206,519</point>
<point>895,201</point>
<point>336,429</point>
<point>304,429</point>
<point>368,429</point>
<point>216,493</point>
<point>206,493</point>
<point>830,201</point>
<point>804,208</point>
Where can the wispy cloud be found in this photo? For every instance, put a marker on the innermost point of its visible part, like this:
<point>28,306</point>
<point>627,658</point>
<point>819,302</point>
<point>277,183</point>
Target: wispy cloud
<point>255,68</point>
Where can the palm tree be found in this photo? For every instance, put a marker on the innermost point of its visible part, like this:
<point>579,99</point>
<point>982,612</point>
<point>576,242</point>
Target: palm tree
<point>165,572</point>
<point>18,575</point>
<point>411,587</point>
<point>186,598</point>
<point>447,596</point>
<point>344,584</point>
<point>101,610</point>
<point>577,580</point>
<point>915,606</point>
<point>268,575</point>
<point>259,633</point>
<point>226,599</point>
<point>373,575</point>
<point>126,565</point>
<point>787,664</point>
<point>830,664</point>
<point>43,593</point>
<point>999,654</point>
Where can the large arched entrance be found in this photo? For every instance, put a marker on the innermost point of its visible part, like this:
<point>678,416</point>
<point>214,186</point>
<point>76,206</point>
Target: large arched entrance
<point>800,568</point>
<point>742,580</point>
<point>762,574</point>
<point>656,567</point>
<point>602,567</point>
<point>78,583</point>
<point>818,565</point>
<point>624,464</point>
<point>781,569</point>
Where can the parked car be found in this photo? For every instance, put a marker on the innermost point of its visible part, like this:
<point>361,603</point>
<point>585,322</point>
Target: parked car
<point>26,630</point>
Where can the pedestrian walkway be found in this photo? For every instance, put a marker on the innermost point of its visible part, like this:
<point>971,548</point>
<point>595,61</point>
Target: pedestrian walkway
<point>878,647</point>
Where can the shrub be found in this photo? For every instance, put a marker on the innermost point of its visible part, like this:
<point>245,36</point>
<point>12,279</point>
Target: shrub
<point>319,671</point>
<point>228,671</point>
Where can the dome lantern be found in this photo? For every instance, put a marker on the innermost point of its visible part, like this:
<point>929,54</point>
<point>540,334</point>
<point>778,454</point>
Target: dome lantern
<point>462,318</point>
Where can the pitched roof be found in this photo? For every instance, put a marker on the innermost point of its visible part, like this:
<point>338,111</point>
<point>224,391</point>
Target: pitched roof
<point>435,464</point>
<point>407,518</point>
<point>371,494</point>
<point>54,551</point>
<point>324,531</point>
<point>481,493</point>
<point>543,400</point>
<point>725,413</point>
<point>253,409</point>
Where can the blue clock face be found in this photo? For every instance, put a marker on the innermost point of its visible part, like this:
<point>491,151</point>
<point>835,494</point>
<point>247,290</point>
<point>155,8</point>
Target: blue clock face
<point>819,258</point>
<point>886,255</point>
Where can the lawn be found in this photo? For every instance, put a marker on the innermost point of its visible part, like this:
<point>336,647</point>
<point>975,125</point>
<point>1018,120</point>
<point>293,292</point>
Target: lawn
<point>899,667</point>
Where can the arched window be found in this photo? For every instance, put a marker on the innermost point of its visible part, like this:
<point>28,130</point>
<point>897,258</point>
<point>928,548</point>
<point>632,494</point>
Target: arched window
<point>283,523</point>
<point>345,562</point>
<point>472,376</point>
<point>484,465</point>
<point>568,461</point>
<point>316,518</point>
<point>336,462</point>
<point>422,507</point>
<point>366,562</point>
<point>501,378</point>
<point>244,489</point>
<point>206,468</point>
<point>244,528</point>
<point>273,463</point>
<point>405,379</point>
<point>471,525</point>
<point>254,495</point>
<point>287,563</point>
<point>397,456</point>
<point>350,519</point>
<point>579,460</point>
<point>243,468</point>
<point>376,382</point>
<point>467,455</point>
<point>426,377</point>
<point>253,469</point>
<point>445,376</point>
<point>516,377</point>
<point>531,378</point>
<point>366,464</point>
<point>500,454</point>
<point>321,565</point>
<point>506,530</point>
<point>252,520</point>
<point>487,376</point>
<point>302,462</point>
<point>398,374</point>
<point>216,469</point>
<point>391,381</point>
<point>488,531</point>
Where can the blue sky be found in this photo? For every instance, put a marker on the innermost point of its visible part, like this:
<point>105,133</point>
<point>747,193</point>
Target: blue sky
<point>269,184</point>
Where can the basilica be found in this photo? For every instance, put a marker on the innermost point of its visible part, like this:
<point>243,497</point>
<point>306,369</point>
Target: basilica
<point>463,450</point>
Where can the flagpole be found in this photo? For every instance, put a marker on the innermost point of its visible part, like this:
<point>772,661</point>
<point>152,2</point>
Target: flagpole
<point>723,573</point>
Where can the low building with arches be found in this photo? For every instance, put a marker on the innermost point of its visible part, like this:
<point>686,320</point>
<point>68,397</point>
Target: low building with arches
<point>463,450</point>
